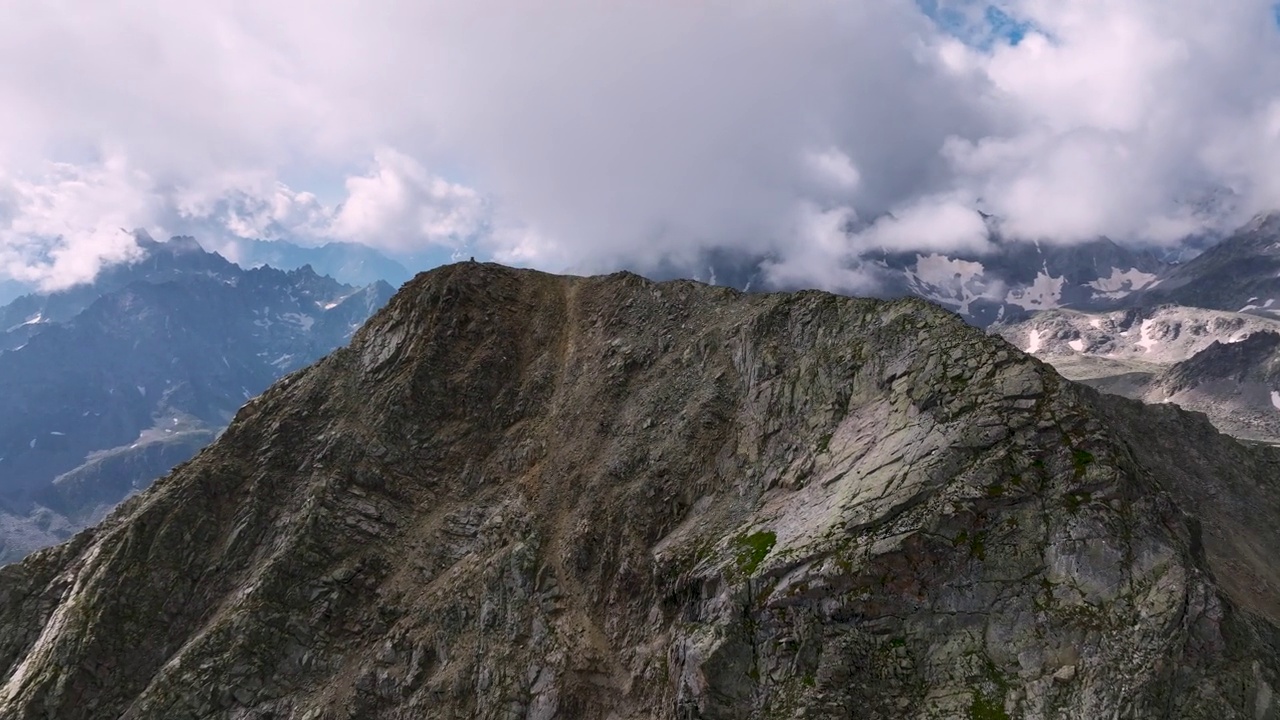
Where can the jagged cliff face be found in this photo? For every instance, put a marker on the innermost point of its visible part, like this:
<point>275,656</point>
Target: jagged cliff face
<point>518,495</point>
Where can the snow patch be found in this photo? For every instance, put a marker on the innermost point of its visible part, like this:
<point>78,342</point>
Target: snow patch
<point>303,321</point>
<point>1275,399</point>
<point>33,320</point>
<point>1147,342</point>
<point>944,280</point>
<point>1042,294</point>
<point>1033,344</point>
<point>1077,345</point>
<point>1121,283</point>
<point>1095,323</point>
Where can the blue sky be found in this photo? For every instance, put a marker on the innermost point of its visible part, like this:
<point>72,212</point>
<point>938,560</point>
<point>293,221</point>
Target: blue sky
<point>979,24</point>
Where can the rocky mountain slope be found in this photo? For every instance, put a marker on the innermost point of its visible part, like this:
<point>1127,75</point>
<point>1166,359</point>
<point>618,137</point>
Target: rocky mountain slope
<point>100,397</point>
<point>1240,273</point>
<point>1237,385</point>
<point>1220,363</point>
<point>518,495</point>
<point>1160,335</point>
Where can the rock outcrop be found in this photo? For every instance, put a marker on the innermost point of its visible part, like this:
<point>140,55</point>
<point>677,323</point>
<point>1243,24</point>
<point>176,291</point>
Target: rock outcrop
<point>518,495</point>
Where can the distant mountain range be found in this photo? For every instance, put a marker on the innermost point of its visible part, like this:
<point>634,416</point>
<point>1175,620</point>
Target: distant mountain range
<point>350,263</point>
<point>345,262</point>
<point>1204,334</point>
<point>1012,281</point>
<point>108,385</point>
<point>1240,273</point>
<point>1021,278</point>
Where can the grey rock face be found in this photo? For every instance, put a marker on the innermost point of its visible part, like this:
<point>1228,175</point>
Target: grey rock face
<point>518,495</point>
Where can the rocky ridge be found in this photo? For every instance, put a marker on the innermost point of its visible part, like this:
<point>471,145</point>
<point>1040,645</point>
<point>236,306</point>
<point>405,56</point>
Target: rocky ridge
<point>518,495</point>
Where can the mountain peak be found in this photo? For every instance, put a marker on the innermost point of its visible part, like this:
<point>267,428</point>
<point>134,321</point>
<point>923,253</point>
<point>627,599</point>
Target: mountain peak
<point>521,494</point>
<point>184,244</point>
<point>1266,222</point>
<point>142,237</point>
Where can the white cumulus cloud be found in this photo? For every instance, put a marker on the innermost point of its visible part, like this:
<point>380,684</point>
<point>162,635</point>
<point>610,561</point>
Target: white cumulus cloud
<point>588,135</point>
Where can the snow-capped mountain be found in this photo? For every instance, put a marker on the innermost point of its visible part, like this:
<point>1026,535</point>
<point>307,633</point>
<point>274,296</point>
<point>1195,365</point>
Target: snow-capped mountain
<point>181,257</point>
<point>1021,278</point>
<point>102,395</point>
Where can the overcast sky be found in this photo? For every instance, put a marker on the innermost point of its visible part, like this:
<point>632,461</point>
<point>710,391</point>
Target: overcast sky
<point>595,134</point>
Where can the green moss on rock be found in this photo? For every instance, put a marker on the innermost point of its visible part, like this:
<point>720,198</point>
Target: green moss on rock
<point>753,548</point>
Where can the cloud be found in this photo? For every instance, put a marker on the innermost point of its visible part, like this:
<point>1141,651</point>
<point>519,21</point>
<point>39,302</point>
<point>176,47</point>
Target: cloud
<point>60,229</point>
<point>834,171</point>
<point>590,136</point>
<point>935,223</point>
<point>400,206</point>
<point>1115,106</point>
<point>823,254</point>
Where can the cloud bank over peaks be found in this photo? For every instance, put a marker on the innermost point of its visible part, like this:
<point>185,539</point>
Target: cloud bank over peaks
<point>59,228</point>
<point>589,136</point>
